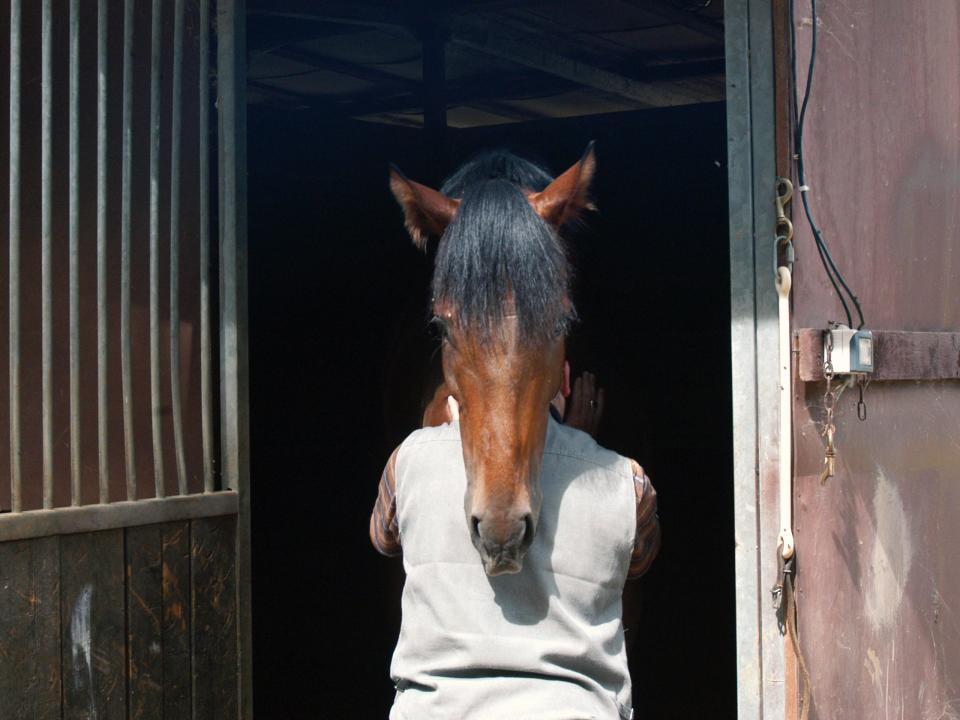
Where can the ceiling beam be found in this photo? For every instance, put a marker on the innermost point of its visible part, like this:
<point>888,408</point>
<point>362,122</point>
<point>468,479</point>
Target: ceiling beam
<point>336,11</point>
<point>345,13</point>
<point>691,20</point>
<point>526,50</point>
<point>287,97</point>
<point>479,90</point>
<point>342,67</point>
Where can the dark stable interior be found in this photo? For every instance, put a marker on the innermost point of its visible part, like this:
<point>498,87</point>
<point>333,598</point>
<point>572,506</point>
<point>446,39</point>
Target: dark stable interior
<point>339,349</point>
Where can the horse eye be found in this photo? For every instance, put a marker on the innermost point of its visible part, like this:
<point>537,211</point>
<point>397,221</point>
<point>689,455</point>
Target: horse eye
<point>441,327</point>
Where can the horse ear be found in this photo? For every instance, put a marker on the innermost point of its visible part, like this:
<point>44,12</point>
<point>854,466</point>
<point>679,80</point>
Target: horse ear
<point>426,212</point>
<point>568,195</point>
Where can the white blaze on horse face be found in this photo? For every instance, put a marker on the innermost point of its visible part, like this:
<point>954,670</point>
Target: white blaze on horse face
<point>504,389</point>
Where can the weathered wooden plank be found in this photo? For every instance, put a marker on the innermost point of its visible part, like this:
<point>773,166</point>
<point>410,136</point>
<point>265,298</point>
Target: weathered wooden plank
<point>93,650</point>
<point>176,621</point>
<point>30,630</point>
<point>37,523</point>
<point>214,626</point>
<point>897,355</point>
<point>144,632</point>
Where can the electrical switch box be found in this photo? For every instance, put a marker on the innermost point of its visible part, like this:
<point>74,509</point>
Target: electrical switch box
<point>849,350</point>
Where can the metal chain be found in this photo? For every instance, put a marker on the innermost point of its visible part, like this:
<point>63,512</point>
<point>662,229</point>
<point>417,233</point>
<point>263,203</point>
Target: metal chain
<point>784,254</point>
<point>829,405</point>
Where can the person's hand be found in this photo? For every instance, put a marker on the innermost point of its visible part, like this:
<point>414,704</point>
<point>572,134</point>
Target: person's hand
<point>453,409</point>
<point>441,409</point>
<point>585,405</point>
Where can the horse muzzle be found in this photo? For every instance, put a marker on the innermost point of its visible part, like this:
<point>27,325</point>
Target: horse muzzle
<point>502,543</point>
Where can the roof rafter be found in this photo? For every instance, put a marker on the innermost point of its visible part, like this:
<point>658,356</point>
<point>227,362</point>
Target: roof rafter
<point>675,15</point>
<point>343,67</point>
<point>525,50</point>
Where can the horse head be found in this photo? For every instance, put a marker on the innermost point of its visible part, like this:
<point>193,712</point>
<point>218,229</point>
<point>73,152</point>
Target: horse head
<point>501,301</point>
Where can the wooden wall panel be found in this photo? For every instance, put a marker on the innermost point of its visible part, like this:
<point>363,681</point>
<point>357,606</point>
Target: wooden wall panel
<point>93,648</point>
<point>136,623</point>
<point>30,630</point>
<point>213,549</point>
<point>177,696</point>
<point>144,611</point>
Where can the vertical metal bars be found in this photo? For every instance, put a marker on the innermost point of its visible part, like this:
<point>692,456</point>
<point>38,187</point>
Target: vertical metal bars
<point>156,30</point>
<point>176,133</point>
<point>103,454</point>
<point>206,401</point>
<point>74,241</point>
<point>73,340</point>
<point>234,417</point>
<point>46,237</point>
<point>125,332</point>
<point>14,257</point>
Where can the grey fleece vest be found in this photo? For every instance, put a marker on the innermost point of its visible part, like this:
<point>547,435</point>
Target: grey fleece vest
<point>544,644</point>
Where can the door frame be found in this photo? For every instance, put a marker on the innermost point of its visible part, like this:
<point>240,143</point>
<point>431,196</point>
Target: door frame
<point>752,174</point>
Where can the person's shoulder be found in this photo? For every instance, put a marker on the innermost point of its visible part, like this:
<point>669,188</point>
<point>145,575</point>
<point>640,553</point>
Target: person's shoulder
<point>575,445</point>
<point>448,432</point>
<point>427,438</point>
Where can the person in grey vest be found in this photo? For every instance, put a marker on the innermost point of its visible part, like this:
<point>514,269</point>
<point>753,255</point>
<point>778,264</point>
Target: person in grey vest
<point>546,643</point>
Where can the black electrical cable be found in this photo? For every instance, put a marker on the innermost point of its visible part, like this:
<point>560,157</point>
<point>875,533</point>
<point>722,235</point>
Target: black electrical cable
<point>799,117</point>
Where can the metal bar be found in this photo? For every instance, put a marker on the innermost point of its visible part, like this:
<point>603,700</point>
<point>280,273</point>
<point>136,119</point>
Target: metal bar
<point>126,351</point>
<point>14,258</point>
<point>743,364</point>
<point>206,386</point>
<point>897,355</point>
<point>231,104</point>
<point>46,237</point>
<point>156,31</point>
<point>93,518</point>
<point>74,262</point>
<point>175,248</point>
<point>764,178</point>
<point>103,455</point>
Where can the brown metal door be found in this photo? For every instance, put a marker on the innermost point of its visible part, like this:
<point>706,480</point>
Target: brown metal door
<point>878,580</point>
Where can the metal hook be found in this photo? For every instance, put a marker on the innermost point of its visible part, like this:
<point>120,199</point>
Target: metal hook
<point>861,405</point>
<point>783,197</point>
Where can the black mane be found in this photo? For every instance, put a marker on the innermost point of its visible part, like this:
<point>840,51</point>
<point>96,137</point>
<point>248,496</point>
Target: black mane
<point>493,164</point>
<point>497,248</point>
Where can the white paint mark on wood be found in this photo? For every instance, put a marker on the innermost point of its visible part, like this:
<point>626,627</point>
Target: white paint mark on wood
<point>890,557</point>
<point>80,644</point>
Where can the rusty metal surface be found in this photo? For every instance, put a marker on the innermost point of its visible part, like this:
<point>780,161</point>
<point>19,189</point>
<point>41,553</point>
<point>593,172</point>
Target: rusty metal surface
<point>882,150</point>
<point>878,579</point>
<point>899,355</point>
<point>878,582</point>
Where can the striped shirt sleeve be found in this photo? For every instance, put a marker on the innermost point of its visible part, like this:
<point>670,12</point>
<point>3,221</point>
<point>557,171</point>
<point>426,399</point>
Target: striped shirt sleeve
<point>646,540</point>
<point>384,529</point>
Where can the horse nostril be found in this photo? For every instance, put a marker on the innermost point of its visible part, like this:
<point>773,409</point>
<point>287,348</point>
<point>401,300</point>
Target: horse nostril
<point>528,531</point>
<point>475,526</point>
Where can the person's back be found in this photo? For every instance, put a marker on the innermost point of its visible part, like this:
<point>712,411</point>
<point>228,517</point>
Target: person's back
<point>546,643</point>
